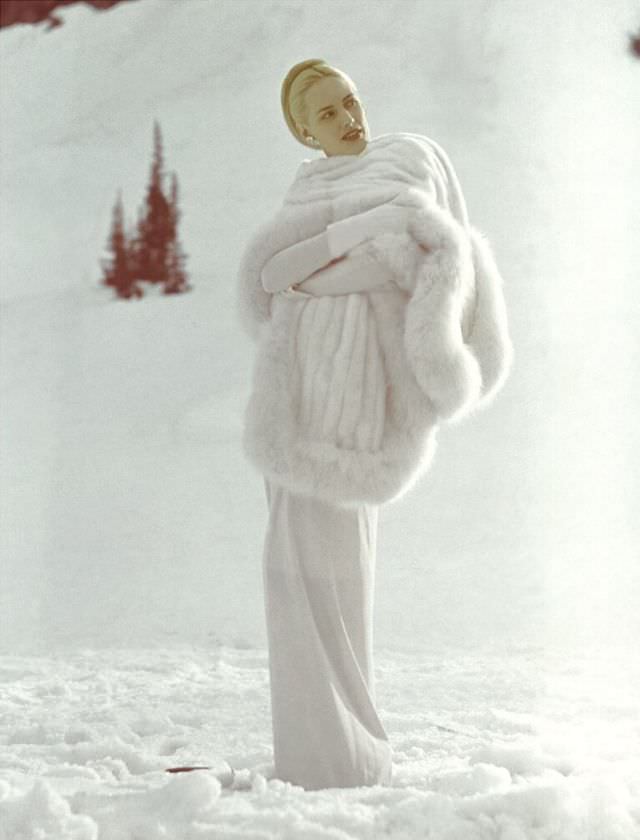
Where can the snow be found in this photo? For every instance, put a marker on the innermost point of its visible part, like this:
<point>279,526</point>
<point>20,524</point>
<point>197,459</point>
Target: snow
<point>507,588</point>
<point>549,747</point>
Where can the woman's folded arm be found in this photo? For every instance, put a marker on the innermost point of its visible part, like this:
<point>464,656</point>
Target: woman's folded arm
<point>296,263</point>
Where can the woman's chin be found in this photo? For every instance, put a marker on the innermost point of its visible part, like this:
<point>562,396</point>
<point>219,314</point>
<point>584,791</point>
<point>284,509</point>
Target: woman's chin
<point>353,147</point>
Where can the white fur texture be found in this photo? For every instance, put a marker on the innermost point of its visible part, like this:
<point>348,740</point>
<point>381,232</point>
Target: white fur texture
<point>348,391</point>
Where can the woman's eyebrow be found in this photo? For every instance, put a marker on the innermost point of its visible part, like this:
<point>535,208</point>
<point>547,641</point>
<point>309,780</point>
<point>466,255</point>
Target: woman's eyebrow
<point>326,107</point>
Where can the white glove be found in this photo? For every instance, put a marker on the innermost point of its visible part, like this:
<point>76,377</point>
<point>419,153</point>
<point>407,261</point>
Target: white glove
<point>296,263</point>
<point>347,233</point>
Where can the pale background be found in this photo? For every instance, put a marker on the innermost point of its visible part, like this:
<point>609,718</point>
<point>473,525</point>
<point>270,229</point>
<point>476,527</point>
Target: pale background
<point>130,517</point>
<point>129,511</point>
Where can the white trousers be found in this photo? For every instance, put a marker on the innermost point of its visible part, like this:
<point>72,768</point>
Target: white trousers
<point>318,575</point>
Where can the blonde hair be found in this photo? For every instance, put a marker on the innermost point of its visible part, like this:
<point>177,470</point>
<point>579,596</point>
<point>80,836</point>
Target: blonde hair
<point>297,82</point>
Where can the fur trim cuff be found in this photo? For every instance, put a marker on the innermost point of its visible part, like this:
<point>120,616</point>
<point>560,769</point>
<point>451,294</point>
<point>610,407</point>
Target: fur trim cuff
<point>445,368</point>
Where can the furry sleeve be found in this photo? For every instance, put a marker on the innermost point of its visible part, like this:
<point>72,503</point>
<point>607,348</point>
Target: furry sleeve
<point>489,338</point>
<point>455,196</point>
<point>252,302</point>
<point>484,322</point>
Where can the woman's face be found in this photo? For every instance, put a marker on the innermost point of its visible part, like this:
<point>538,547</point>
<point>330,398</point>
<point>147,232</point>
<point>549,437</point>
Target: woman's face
<point>333,109</point>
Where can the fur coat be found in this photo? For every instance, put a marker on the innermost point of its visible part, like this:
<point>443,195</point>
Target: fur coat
<point>348,391</point>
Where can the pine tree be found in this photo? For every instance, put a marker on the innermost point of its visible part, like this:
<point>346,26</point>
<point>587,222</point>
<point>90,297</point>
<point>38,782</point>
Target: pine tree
<point>154,231</point>
<point>176,277</point>
<point>116,267</point>
<point>150,250</point>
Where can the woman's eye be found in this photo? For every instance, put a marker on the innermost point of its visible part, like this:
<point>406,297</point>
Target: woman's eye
<point>330,113</point>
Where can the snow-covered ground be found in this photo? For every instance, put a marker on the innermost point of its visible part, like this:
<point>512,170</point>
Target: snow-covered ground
<point>508,584</point>
<point>510,743</point>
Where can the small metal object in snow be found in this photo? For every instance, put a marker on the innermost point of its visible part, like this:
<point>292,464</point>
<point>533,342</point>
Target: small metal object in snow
<point>226,778</point>
<point>184,769</point>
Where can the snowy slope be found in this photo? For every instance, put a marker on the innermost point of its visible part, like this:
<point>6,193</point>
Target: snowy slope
<point>122,475</point>
<point>507,583</point>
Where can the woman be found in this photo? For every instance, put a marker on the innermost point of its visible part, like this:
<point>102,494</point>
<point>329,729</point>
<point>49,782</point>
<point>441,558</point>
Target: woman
<point>378,313</point>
